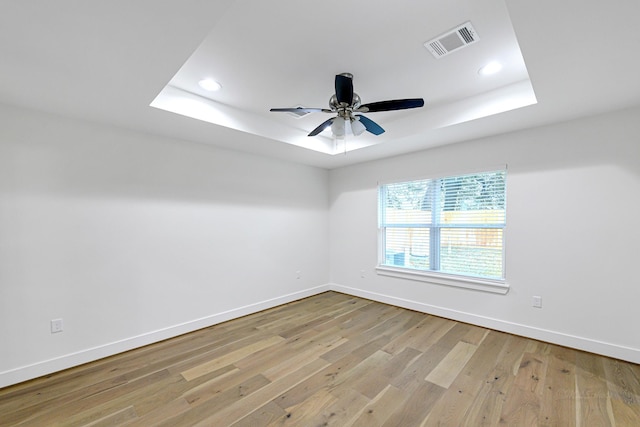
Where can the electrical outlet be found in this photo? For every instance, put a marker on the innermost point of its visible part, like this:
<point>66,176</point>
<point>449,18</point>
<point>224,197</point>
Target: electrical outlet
<point>537,302</point>
<point>298,274</point>
<point>56,326</point>
<point>362,274</point>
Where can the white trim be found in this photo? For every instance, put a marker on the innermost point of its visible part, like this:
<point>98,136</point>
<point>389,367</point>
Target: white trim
<point>25,373</point>
<point>581,343</point>
<point>486,285</point>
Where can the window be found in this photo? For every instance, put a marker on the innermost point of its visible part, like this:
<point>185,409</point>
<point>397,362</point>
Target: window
<point>452,226</point>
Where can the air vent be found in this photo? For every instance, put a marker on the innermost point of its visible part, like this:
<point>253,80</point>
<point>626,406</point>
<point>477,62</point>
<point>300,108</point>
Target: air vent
<point>298,114</point>
<point>449,42</point>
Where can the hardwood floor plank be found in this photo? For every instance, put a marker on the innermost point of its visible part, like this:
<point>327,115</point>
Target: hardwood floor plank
<point>70,385</point>
<point>450,366</point>
<point>243,407</point>
<point>417,406</point>
<point>334,359</point>
<point>204,409</point>
<point>558,404</point>
<point>454,406</point>
<point>624,377</point>
<point>303,355</point>
<point>245,337</point>
<point>380,408</point>
<point>330,378</point>
<point>475,335</point>
<point>107,372</point>
<point>323,380</point>
<point>486,357</point>
<point>343,313</point>
<point>399,363</point>
<point>302,413</point>
<point>623,381</point>
<point>345,407</point>
<point>371,384</point>
<point>487,406</point>
<point>593,405</point>
<point>57,413</point>
<point>413,375</point>
<point>230,358</point>
<point>361,335</point>
<point>160,414</point>
<point>265,415</point>
<point>218,381</point>
<point>374,381</point>
<point>301,328</point>
<point>20,407</point>
<point>523,406</point>
<point>451,409</point>
<point>357,377</point>
<point>457,333</point>
<point>118,418</point>
<point>422,336</point>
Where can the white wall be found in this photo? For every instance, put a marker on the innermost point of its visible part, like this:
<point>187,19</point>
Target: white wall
<point>132,238</point>
<point>572,235</point>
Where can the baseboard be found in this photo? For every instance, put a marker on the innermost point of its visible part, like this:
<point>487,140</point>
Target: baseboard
<point>25,373</point>
<point>554,337</point>
<point>47,367</point>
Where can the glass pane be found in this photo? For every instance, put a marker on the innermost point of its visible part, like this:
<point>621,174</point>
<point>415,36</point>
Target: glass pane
<point>419,248</point>
<point>407,247</point>
<point>471,252</point>
<point>473,199</point>
<point>405,203</point>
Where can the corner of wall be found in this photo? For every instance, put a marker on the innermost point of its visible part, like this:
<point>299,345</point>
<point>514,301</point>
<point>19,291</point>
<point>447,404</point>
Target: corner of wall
<point>25,373</point>
<point>581,343</point>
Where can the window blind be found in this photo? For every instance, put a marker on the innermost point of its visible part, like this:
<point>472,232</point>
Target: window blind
<point>452,225</point>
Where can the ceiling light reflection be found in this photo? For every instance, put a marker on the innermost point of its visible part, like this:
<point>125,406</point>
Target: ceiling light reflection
<point>491,68</point>
<point>210,85</point>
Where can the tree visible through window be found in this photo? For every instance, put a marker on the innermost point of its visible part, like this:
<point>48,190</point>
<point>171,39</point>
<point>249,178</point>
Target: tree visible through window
<point>453,225</point>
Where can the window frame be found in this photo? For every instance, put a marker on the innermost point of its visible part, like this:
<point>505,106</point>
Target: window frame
<point>499,286</point>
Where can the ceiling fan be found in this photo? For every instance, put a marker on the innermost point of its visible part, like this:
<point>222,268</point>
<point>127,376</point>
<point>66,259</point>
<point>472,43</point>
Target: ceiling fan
<point>345,102</point>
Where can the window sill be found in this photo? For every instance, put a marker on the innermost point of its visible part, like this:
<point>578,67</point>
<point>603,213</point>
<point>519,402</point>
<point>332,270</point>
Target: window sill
<point>485,285</point>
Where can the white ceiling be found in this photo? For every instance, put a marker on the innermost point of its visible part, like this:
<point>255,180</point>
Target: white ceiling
<point>107,61</point>
<point>285,59</point>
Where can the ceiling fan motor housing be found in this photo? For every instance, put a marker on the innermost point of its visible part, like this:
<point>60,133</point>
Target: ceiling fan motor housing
<point>343,110</point>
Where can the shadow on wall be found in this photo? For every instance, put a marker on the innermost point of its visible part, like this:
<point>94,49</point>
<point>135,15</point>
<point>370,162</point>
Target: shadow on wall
<point>609,139</point>
<point>47,155</point>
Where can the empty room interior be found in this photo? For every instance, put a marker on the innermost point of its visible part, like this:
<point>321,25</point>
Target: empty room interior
<point>315,213</point>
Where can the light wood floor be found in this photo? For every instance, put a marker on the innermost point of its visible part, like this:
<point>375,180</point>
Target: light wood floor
<point>336,360</point>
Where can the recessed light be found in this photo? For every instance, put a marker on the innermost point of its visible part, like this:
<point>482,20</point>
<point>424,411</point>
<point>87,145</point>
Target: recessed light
<point>490,68</point>
<point>210,85</point>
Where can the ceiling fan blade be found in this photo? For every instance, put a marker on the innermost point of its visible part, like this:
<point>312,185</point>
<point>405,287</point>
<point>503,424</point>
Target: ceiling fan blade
<point>396,104</point>
<point>370,125</point>
<point>344,89</point>
<point>300,110</point>
<point>322,127</point>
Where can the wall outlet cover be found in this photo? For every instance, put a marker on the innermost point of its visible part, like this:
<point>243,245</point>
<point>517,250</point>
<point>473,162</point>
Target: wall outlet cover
<point>56,326</point>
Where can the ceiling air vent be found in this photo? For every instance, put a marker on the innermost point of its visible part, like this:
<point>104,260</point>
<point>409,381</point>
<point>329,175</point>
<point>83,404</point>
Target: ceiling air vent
<point>453,40</point>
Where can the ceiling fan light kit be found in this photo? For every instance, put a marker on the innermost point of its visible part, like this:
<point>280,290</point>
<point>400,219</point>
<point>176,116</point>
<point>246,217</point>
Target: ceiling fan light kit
<point>357,128</point>
<point>338,127</point>
<point>344,103</point>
